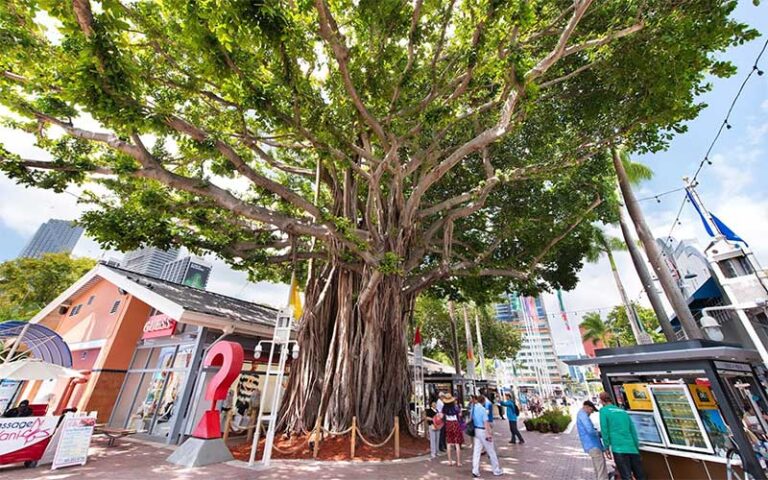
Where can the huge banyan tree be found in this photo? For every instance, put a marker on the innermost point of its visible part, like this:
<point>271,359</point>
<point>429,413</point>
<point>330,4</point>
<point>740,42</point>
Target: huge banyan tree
<point>378,148</point>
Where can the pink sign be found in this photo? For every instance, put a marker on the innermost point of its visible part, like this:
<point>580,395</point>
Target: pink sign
<point>159,326</point>
<point>25,438</point>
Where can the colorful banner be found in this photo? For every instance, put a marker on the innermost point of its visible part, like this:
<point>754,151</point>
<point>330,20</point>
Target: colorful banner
<point>562,309</point>
<point>25,438</point>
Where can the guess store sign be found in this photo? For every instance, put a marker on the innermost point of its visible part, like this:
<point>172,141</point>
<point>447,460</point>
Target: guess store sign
<point>159,326</point>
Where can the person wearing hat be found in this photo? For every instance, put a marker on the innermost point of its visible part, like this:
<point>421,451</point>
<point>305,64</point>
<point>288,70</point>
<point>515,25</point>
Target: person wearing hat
<point>454,433</point>
<point>590,440</point>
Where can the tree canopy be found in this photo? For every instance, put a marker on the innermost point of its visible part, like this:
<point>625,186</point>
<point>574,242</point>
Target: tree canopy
<point>29,284</point>
<point>617,318</point>
<point>454,126</point>
<point>500,340</point>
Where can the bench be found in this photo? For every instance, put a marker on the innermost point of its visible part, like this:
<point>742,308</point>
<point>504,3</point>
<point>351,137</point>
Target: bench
<point>113,434</point>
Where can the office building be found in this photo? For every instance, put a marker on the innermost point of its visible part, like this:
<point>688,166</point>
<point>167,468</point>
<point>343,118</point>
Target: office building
<point>536,364</point>
<point>54,236</point>
<point>149,260</point>
<point>190,271</point>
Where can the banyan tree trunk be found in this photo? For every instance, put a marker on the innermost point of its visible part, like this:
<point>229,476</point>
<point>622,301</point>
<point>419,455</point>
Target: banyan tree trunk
<point>353,357</point>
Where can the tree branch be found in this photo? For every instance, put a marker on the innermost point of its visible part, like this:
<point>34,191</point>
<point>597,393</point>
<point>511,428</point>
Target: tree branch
<point>552,243</point>
<point>330,33</point>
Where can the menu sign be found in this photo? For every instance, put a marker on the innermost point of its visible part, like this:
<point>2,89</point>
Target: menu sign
<point>647,429</point>
<point>7,391</point>
<point>74,442</point>
<point>682,425</point>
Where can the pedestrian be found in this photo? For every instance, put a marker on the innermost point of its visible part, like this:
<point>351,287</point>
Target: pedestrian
<point>620,439</point>
<point>512,413</point>
<point>434,425</point>
<point>22,410</point>
<point>488,406</point>
<point>590,439</point>
<point>483,438</point>
<point>439,407</point>
<point>454,428</point>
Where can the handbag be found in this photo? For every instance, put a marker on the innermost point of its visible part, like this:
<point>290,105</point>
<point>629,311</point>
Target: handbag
<point>470,428</point>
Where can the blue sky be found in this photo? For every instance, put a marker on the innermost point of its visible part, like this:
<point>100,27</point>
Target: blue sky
<point>734,187</point>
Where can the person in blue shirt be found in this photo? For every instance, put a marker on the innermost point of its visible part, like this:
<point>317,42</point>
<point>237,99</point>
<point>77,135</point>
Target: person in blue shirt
<point>512,413</point>
<point>590,439</point>
<point>483,439</point>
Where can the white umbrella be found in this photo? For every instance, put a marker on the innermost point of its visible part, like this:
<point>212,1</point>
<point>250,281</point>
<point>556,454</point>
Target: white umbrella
<point>35,369</point>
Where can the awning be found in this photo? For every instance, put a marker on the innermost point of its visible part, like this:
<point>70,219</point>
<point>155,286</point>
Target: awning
<point>40,341</point>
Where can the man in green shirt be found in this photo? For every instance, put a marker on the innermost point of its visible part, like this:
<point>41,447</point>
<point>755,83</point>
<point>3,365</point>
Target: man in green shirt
<point>620,439</point>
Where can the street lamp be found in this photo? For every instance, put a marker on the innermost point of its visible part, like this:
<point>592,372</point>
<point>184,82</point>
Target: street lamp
<point>294,345</point>
<point>712,329</point>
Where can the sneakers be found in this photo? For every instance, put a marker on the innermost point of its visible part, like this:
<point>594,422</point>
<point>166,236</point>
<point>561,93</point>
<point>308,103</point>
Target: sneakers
<point>475,475</point>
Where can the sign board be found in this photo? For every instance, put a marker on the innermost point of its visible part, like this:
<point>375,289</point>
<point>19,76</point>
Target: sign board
<point>196,275</point>
<point>739,367</point>
<point>159,326</point>
<point>74,441</point>
<point>7,391</point>
<point>25,438</point>
<point>638,396</point>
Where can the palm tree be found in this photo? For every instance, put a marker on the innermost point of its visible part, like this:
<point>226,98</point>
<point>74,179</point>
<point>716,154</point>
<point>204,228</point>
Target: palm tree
<point>625,174</point>
<point>636,172</point>
<point>596,330</point>
<point>603,244</point>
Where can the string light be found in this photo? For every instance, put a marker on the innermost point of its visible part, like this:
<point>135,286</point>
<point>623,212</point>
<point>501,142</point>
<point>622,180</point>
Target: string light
<point>726,124</point>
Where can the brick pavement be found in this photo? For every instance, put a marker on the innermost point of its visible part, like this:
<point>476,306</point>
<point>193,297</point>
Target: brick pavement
<point>543,456</point>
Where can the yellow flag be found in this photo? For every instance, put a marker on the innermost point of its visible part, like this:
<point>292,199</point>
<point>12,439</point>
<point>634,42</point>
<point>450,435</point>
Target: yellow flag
<point>294,298</point>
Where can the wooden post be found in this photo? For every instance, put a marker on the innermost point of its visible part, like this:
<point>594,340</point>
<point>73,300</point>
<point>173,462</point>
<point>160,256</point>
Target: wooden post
<point>252,424</point>
<point>316,439</point>
<point>397,436</point>
<point>228,424</point>
<point>354,438</point>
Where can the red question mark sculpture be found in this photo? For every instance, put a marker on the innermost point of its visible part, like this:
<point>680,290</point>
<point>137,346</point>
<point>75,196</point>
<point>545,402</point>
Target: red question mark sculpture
<point>228,356</point>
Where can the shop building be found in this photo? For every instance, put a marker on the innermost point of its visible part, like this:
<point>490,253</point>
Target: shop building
<point>143,340</point>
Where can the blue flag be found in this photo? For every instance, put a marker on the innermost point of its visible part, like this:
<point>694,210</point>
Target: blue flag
<point>723,228</point>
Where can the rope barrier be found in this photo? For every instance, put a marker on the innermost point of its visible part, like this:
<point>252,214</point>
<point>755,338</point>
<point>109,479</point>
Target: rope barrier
<point>319,431</point>
<point>343,432</point>
<point>376,445</point>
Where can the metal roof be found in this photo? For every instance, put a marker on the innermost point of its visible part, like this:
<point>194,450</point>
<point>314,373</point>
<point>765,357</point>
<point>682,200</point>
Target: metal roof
<point>181,302</point>
<point>717,352</point>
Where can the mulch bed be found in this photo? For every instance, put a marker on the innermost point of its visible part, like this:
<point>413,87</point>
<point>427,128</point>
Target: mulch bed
<point>332,448</point>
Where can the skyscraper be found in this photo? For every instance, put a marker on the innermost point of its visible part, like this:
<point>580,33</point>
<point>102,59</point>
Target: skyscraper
<point>189,271</point>
<point>54,236</point>
<point>149,260</point>
<point>536,362</point>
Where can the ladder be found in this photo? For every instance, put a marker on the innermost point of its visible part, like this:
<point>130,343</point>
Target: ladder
<point>280,340</point>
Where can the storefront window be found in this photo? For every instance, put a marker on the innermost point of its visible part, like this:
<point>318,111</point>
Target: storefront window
<point>148,400</point>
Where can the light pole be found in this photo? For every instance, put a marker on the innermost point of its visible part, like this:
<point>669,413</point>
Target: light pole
<point>712,329</point>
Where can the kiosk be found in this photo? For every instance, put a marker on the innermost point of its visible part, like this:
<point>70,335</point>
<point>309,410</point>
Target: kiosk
<point>694,403</point>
